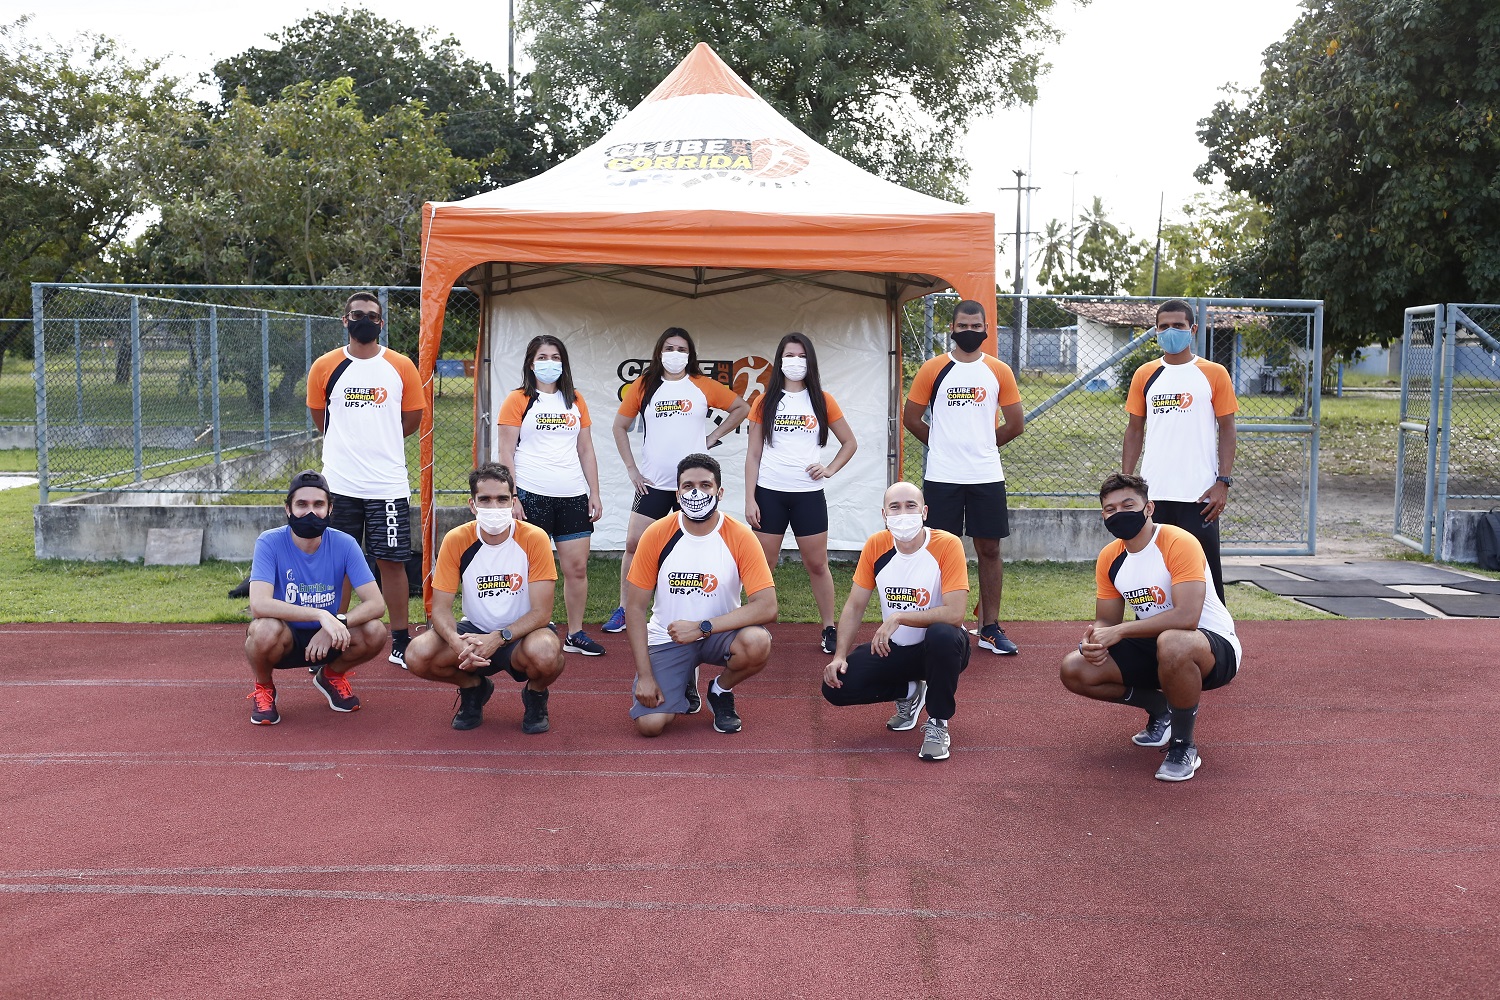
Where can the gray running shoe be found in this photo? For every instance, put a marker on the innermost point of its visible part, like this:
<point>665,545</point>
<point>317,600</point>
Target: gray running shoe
<point>695,700</point>
<point>1158,732</point>
<point>907,710</point>
<point>1181,763</point>
<point>935,741</point>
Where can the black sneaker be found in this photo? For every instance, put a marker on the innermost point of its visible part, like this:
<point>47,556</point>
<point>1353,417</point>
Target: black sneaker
<point>398,649</point>
<point>726,720</point>
<point>535,720</point>
<point>830,638</point>
<point>335,687</point>
<point>993,638</point>
<point>471,701</point>
<point>695,702</point>
<point>579,642</point>
<point>1158,732</point>
<point>1181,763</point>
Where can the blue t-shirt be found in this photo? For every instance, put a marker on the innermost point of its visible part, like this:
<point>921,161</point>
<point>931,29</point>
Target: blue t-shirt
<point>310,581</point>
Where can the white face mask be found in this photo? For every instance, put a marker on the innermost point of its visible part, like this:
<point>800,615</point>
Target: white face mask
<point>675,362</point>
<point>794,369</point>
<point>697,505</point>
<point>547,371</point>
<point>904,527</point>
<point>494,520</point>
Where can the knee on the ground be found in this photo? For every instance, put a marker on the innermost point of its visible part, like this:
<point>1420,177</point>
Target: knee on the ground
<point>652,725</point>
<point>836,695</point>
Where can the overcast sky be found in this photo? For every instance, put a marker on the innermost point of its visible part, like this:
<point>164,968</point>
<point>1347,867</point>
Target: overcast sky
<point>1120,105</point>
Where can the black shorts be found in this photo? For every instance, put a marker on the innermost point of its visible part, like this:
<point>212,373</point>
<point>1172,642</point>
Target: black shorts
<point>381,527</point>
<point>562,518</point>
<point>1136,659</point>
<point>806,513</point>
<point>978,510</point>
<point>297,655</point>
<point>501,660</point>
<point>656,504</point>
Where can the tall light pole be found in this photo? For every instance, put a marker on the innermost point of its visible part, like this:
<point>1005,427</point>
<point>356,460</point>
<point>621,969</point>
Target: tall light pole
<point>510,50</point>
<point>1072,216</point>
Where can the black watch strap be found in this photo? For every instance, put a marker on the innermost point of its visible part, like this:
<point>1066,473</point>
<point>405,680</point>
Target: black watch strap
<point>1226,480</point>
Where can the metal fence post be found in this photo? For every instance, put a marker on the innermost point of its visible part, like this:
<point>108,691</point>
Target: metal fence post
<point>198,363</point>
<point>929,336</point>
<point>384,295</point>
<point>135,381</point>
<point>265,376</point>
<point>1317,411</point>
<point>39,377</point>
<point>1444,427</point>
<point>213,374</point>
<point>307,358</point>
<point>1434,426</point>
<point>78,367</point>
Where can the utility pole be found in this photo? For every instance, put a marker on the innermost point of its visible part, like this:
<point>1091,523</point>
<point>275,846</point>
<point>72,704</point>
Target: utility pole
<point>1020,189</point>
<point>510,51</point>
<point>1156,264</point>
<point>1072,219</point>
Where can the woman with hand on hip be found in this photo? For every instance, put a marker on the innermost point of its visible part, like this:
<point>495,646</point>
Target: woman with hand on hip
<point>672,398</point>
<point>784,473</point>
<point>545,441</point>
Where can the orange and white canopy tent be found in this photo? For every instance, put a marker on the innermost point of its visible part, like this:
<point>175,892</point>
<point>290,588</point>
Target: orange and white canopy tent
<point>703,193</point>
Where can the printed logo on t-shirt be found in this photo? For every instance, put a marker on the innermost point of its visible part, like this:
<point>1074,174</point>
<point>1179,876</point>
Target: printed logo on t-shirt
<point>907,598</point>
<point>1146,597</point>
<point>556,421</point>
<point>786,422</point>
<point>365,397</point>
<point>310,595</point>
<point>1168,402</point>
<point>499,585</point>
<point>692,583</point>
<point>967,395</point>
<point>671,407</point>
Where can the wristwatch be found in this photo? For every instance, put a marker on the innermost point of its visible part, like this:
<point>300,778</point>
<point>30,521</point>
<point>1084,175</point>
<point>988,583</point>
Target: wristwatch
<point>706,627</point>
<point>342,619</point>
<point>1226,480</point>
<point>505,637</point>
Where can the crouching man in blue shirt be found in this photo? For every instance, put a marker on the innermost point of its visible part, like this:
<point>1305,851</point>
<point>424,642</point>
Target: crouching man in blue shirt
<point>296,580</point>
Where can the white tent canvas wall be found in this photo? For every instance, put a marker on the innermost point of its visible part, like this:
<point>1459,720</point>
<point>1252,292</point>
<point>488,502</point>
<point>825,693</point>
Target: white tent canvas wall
<point>702,208</point>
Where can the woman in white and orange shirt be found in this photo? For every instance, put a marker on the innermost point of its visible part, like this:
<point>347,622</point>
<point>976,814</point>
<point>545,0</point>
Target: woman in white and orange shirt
<point>784,472</point>
<point>545,441</point>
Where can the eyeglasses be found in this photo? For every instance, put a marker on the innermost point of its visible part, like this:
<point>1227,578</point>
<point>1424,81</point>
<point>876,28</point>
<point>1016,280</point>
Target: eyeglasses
<point>359,314</point>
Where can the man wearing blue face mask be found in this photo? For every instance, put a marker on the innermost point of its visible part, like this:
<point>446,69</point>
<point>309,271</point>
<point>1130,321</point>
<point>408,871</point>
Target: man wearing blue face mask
<point>1179,643</point>
<point>1181,430</point>
<point>296,582</point>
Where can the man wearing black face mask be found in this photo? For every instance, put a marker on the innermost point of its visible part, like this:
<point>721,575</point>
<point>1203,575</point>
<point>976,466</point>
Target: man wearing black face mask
<point>366,399</point>
<point>296,582</point>
<point>1181,641</point>
<point>974,407</point>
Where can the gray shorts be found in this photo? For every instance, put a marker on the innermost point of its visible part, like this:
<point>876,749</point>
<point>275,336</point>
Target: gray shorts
<point>673,664</point>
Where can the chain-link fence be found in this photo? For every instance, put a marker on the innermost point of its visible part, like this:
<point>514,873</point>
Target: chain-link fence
<point>17,400</point>
<point>1448,438</point>
<point>1074,357</point>
<point>201,390</point>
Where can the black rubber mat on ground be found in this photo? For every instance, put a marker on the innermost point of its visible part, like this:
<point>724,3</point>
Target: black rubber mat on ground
<point>1250,574</point>
<point>1328,588</point>
<point>1362,607</point>
<point>1478,586</point>
<point>1464,605</point>
<point>1380,572</point>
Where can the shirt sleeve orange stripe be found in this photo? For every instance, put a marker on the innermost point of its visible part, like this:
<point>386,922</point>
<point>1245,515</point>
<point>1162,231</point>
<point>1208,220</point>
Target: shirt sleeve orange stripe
<point>921,385</point>
<point>630,403</point>
<point>1104,587</point>
<point>756,408</point>
<point>1225,402</point>
<point>317,381</point>
<point>1181,553</point>
<point>647,562</point>
<point>834,413</point>
<point>949,553</point>
<point>719,395</point>
<point>533,540</point>
<point>512,409</point>
<point>583,410</point>
<point>864,570</point>
<point>412,396</point>
<point>445,576</point>
<point>1010,392</point>
<point>755,575</point>
<point>1135,400</point>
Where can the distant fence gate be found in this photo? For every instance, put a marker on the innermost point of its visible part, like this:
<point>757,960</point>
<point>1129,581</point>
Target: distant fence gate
<point>201,389</point>
<point>1074,357</point>
<point>1448,437</point>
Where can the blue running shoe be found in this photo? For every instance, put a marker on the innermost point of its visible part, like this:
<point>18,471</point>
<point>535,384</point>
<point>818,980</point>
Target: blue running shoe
<point>616,621</point>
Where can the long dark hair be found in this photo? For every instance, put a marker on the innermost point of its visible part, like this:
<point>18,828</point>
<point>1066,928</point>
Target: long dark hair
<point>652,378</point>
<point>564,381</point>
<point>776,388</point>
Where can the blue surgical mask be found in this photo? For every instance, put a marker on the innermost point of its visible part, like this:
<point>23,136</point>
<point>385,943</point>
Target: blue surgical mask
<point>1173,340</point>
<point>547,371</point>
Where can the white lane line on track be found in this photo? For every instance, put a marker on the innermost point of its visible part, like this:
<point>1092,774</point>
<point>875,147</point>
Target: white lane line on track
<point>464,869</point>
<point>355,895</point>
<point>522,772</point>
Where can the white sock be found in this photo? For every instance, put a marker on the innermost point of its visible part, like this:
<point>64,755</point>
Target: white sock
<point>716,688</point>
<point>911,690</point>
<point>940,722</point>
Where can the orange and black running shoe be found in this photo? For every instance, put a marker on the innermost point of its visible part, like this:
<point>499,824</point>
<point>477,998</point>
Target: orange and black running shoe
<point>264,713</point>
<point>335,688</point>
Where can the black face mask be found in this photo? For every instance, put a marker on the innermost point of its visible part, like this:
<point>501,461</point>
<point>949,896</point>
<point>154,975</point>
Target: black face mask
<point>364,330</point>
<point>308,525</point>
<point>968,340</point>
<point>1125,524</point>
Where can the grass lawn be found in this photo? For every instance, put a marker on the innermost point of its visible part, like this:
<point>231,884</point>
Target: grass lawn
<point>55,591</point>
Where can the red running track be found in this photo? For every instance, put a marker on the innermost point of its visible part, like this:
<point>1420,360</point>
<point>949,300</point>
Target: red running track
<point>1340,840</point>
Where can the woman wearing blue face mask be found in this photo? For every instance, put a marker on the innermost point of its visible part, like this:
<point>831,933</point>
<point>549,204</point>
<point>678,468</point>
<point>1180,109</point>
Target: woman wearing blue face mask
<point>784,471</point>
<point>544,439</point>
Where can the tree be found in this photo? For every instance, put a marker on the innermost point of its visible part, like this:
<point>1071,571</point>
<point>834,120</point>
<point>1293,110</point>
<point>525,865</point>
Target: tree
<point>392,65</point>
<point>80,125</point>
<point>1197,252</point>
<point>1107,256</point>
<point>1373,143</point>
<point>1055,255</point>
<point>887,85</point>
